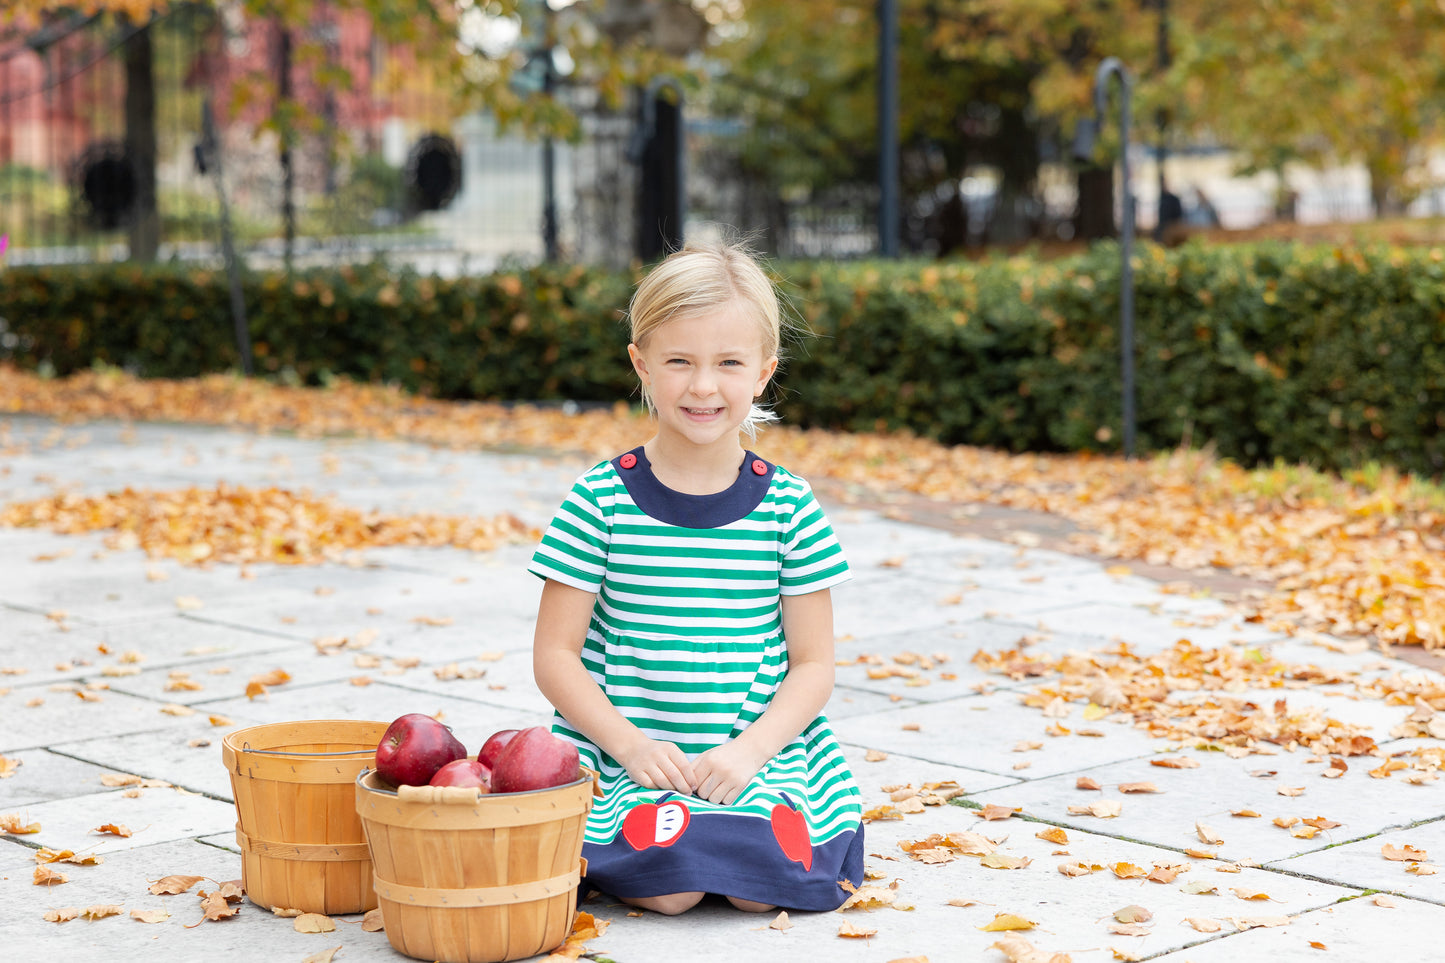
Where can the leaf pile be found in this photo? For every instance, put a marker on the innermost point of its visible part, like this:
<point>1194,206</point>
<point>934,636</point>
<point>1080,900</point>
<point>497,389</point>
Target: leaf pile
<point>236,524</point>
<point>1356,555</point>
<point>1147,689</point>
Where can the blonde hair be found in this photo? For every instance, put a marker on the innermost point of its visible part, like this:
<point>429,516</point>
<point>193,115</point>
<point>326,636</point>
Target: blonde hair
<point>702,277</point>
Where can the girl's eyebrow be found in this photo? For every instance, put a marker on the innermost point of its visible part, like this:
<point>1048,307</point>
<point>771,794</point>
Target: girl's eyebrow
<point>687,353</point>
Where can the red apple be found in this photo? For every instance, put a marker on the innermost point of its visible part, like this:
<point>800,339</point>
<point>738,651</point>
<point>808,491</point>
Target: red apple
<point>655,824</point>
<point>790,828</point>
<point>492,748</point>
<point>534,759</point>
<point>413,748</point>
<point>467,773</point>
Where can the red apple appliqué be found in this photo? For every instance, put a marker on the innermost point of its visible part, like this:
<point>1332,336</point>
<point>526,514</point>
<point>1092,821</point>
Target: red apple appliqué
<point>791,831</point>
<point>655,824</point>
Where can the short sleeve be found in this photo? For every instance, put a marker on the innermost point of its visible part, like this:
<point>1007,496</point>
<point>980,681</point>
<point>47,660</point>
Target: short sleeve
<point>574,547</point>
<point>812,558</point>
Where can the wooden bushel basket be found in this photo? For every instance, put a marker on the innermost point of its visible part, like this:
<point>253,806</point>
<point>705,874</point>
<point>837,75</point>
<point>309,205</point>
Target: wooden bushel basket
<point>468,877</point>
<point>302,845</point>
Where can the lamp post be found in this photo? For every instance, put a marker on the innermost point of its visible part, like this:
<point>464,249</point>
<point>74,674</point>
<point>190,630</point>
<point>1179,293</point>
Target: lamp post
<point>1083,149</point>
<point>888,214</point>
<point>549,151</point>
<point>1161,115</point>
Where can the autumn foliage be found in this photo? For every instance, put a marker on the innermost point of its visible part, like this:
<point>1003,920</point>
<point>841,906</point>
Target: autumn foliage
<point>237,524</point>
<point>1359,555</point>
<point>1318,355</point>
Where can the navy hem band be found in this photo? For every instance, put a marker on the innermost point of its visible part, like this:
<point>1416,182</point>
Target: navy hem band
<point>729,855</point>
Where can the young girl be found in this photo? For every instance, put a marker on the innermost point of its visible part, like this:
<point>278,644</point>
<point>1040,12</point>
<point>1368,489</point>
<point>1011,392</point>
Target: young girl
<point>685,634</point>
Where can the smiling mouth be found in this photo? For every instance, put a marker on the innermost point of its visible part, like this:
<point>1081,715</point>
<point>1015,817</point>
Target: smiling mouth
<point>704,412</point>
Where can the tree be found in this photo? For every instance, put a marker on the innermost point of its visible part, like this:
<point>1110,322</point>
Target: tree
<point>1318,80</point>
<point>431,31</point>
<point>985,82</point>
<point>988,81</point>
<point>427,25</point>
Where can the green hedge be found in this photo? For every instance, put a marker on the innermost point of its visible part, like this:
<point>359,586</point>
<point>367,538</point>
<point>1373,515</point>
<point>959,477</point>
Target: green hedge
<point>548,333</point>
<point>1331,357</point>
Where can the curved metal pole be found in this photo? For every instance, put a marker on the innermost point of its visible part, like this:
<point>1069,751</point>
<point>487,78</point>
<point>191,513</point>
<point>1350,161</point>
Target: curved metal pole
<point>1113,66</point>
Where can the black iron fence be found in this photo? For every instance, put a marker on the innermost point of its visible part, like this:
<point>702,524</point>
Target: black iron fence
<point>385,170</point>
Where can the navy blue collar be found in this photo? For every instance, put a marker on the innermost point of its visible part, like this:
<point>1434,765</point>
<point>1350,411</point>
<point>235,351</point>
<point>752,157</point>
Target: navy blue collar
<point>654,498</point>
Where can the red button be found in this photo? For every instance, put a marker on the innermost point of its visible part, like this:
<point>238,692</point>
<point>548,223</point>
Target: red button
<point>628,460</point>
<point>760,467</point>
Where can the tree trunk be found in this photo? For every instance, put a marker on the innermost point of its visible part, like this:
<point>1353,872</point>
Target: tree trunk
<point>140,144</point>
<point>1095,216</point>
<point>288,173</point>
<point>1383,196</point>
<point>1015,217</point>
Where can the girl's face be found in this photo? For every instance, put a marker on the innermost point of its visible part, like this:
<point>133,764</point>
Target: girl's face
<point>703,372</point>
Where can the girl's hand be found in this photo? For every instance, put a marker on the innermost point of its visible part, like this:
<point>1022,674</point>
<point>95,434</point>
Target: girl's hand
<point>659,765</point>
<point>724,771</point>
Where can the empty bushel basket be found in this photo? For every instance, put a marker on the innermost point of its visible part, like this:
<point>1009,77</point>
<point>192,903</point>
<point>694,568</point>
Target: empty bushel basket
<point>302,845</point>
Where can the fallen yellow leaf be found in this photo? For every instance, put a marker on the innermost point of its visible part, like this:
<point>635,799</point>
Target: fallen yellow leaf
<point>313,923</point>
<point>1207,835</point>
<point>322,956</point>
<point>171,885</point>
<point>113,829</point>
<point>1137,787</point>
<point>1104,809</point>
<point>45,876</point>
<point>11,824</point>
<point>1020,950</point>
<point>1175,762</point>
<point>100,911</point>
<point>1133,913</point>
<point>1244,892</point>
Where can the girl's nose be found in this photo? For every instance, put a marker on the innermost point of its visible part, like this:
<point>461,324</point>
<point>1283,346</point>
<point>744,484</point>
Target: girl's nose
<point>704,382</point>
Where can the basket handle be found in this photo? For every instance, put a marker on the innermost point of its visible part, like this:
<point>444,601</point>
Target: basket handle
<point>430,795</point>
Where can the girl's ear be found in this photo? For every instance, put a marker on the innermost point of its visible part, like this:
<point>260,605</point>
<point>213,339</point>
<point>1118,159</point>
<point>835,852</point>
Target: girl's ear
<point>769,366</point>
<point>639,364</point>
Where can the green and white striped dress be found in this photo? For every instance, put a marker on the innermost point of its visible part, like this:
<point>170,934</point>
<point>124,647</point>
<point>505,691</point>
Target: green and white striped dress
<point>686,640</point>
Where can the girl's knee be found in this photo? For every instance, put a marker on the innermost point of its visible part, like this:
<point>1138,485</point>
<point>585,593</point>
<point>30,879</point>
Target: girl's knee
<point>669,905</point>
<point>748,906</point>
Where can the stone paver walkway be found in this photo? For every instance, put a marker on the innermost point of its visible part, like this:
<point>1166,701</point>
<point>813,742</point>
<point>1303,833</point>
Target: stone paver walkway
<point>69,609</point>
